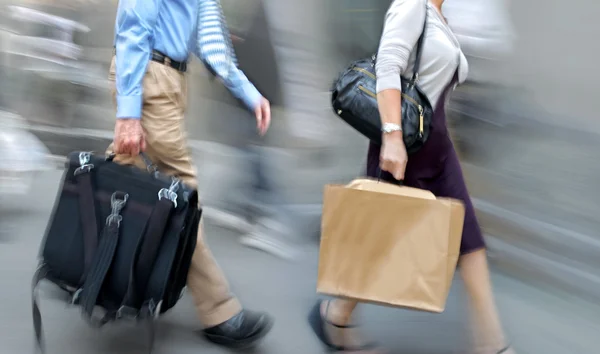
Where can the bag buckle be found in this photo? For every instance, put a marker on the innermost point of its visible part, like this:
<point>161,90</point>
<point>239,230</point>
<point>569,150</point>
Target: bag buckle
<point>76,297</point>
<point>117,203</point>
<point>170,193</point>
<point>151,309</point>
<point>84,165</point>
<point>127,312</point>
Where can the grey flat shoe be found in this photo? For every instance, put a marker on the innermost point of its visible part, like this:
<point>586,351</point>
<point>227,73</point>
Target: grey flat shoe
<point>318,322</point>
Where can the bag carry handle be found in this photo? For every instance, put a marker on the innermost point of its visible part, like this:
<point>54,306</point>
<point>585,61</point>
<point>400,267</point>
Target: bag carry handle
<point>150,166</point>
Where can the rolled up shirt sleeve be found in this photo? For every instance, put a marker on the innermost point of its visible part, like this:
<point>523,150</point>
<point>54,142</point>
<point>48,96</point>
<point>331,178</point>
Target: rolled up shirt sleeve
<point>403,27</point>
<point>136,20</point>
<point>212,47</point>
<point>241,88</point>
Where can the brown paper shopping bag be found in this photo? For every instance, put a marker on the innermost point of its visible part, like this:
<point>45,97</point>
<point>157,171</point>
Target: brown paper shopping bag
<point>389,244</point>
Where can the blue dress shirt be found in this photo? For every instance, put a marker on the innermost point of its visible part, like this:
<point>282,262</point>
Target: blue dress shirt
<point>168,26</point>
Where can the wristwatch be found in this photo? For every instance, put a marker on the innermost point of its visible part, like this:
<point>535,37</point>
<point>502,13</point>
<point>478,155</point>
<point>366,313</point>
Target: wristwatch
<point>390,128</point>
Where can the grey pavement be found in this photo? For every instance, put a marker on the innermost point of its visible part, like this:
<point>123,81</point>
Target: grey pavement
<point>536,320</point>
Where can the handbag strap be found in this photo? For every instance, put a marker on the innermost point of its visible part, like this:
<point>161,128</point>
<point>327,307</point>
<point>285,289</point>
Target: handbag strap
<point>419,48</point>
<point>40,274</point>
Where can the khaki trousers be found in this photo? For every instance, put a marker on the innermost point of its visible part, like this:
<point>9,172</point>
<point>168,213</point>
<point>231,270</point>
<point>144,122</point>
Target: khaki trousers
<point>164,104</point>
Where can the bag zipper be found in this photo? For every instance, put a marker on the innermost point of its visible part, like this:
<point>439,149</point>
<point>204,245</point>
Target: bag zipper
<point>419,107</point>
<point>366,72</point>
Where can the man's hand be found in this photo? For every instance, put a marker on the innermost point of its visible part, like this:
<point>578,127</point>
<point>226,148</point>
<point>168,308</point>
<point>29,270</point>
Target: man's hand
<point>130,138</point>
<point>263,116</point>
<point>393,156</point>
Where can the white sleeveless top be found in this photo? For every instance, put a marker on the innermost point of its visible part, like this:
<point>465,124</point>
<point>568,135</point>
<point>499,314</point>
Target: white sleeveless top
<point>441,56</point>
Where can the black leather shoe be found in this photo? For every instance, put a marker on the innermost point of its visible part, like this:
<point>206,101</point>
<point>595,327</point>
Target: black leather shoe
<point>241,331</point>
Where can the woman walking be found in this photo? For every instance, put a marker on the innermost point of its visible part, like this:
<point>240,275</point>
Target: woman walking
<point>435,167</point>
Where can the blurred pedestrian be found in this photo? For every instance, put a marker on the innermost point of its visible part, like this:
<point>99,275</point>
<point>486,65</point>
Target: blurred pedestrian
<point>265,219</point>
<point>152,46</point>
<point>435,167</point>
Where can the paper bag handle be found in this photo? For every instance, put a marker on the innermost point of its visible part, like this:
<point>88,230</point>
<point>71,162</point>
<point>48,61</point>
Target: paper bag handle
<point>379,172</point>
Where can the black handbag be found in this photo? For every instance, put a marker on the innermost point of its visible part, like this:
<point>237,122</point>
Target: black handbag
<point>120,239</point>
<point>353,99</point>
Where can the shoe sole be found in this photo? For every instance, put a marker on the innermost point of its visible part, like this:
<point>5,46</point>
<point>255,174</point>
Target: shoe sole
<point>243,343</point>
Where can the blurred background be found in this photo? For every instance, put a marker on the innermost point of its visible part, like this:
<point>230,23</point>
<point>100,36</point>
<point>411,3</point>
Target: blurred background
<point>525,124</point>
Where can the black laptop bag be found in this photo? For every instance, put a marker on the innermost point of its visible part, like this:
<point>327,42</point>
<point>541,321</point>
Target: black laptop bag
<point>120,241</point>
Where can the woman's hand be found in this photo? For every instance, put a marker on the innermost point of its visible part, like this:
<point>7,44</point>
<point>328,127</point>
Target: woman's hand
<point>393,156</point>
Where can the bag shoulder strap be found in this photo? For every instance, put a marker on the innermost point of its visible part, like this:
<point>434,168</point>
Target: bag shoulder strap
<point>103,258</point>
<point>419,48</point>
<point>87,211</point>
<point>146,253</point>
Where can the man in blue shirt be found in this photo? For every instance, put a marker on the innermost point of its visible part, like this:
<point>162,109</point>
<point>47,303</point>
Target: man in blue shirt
<point>153,39</point>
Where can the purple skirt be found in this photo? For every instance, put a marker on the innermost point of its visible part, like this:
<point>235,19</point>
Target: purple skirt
<point>436,168</point>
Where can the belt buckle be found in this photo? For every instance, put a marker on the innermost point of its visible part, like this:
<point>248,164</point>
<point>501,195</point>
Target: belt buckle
<point>168,61</point>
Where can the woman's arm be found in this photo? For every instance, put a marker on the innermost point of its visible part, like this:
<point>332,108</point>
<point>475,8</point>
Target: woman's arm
<point>402,28</point>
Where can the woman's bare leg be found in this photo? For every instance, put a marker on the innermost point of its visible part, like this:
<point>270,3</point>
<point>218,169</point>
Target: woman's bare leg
<point>485,321</point>
<point>488,333</point>
<point>340,311</point>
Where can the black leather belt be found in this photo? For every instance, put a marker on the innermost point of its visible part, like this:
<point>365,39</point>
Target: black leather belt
<point>165,60</point>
